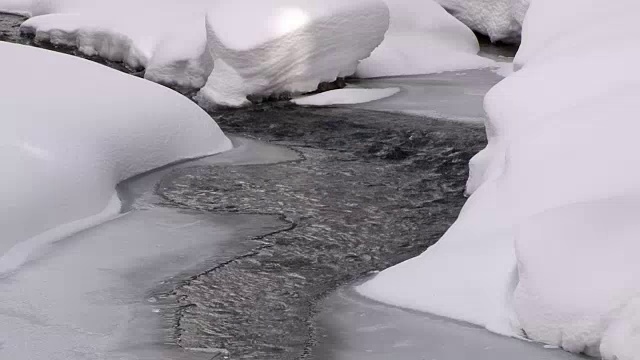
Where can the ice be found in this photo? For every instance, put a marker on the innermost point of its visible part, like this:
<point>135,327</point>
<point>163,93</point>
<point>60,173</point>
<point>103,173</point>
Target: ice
<point>545,246</point>
<point>71,132</point>
<point>103,294</point>
<point>351,327</point>
<point>451,95</point>
<point>352,95</point>
<point>501,20</point>
<point>287,46</point>
<point>422,39</point>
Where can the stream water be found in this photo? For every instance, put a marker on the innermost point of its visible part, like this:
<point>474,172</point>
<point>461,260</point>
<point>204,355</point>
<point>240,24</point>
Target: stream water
<point>249,254</point>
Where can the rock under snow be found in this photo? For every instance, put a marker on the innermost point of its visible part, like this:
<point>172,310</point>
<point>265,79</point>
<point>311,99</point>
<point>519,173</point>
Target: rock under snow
<point>71,130</point>
<point>546,245</point>
<point>287,46</point>
<point>423,39</point>
<point>501,20</point>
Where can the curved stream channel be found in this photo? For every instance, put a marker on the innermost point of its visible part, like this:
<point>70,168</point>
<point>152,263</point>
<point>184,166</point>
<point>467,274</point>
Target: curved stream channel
<point>249,254</point>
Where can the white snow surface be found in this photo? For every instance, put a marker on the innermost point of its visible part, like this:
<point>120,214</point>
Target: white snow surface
<point>423,39</point>
<point>546,244</point>
<point>278,46</point>
<point>287,46</point>
<point>346,96</point>
<point>71,131</point>
<point>498,19</point>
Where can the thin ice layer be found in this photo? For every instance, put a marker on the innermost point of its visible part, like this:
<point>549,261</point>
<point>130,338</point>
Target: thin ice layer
<point>292,47</point>
<point>70,132</point>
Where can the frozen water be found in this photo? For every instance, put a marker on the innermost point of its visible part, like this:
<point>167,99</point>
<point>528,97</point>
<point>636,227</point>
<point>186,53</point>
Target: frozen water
<point>352,95</point>
<point>96,295</point>
<point>350,327</point>
<point>449,95</point>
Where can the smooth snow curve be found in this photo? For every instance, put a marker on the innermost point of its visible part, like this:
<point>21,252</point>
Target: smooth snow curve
<point>501,20</point>
<point>346,96</point>
<point>287,46</point>
<point>423,39</point>
<point>71,131</point>
<point>546,245</point>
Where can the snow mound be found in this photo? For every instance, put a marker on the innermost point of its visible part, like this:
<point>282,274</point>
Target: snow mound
<point>546,245</point>
<point>423,39</point>
<point>501,20</point>
<point>168,38</point>
<point>287,46</point>
<point>346,96</point>
<point>71,132</point>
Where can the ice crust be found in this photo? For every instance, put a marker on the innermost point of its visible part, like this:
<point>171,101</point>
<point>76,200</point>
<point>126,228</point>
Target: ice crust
<point>545,247</point>
<point>71,131</point>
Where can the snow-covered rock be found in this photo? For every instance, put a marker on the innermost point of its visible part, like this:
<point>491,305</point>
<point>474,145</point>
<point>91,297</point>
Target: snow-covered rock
<point>287,46</point>
<point>423,39</point>
<point>71,130</point>
<point>168,38</point>
<point>501,20</point>
<point>348,96</point>
<point>546,245</point>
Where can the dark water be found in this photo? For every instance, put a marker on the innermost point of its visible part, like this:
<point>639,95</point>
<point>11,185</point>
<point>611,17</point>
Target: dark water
<point>371,190</point>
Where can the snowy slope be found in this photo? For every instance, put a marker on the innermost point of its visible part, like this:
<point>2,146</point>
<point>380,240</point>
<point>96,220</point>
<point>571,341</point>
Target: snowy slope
<point>498,19</point>
<point>546,245</point>
<point>70,132</point>
<point>287,46</point>
<point>422,39</point>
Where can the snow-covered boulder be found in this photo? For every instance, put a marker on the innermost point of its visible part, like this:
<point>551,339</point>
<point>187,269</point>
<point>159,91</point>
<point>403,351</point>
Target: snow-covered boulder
<point>168,39</point>
<point>501,20</point>
<point>546,245</point>
<point>71,130</point>
<point>422,39</point>
<point>287,46</point>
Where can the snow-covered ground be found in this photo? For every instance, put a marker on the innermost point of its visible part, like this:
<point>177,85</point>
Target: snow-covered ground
<point>501,20</point>
<point>287,46</point>
<point>71,131</point>
<point>254,50</point>
<point>281,46</point>
<point>545,245</point>
<point>422,39</point>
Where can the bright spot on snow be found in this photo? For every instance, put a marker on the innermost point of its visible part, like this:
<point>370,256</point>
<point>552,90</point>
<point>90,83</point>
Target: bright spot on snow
<point>35,151</point>
<point>290,19</point>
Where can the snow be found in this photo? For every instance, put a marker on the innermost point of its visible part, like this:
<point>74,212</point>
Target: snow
<point>71,131</point>
<point>422,39</point>
<point>252,50</point>
<point>287,46</point>
<point>501,20</point>
<point>545,246</point>
<point>346,96</point>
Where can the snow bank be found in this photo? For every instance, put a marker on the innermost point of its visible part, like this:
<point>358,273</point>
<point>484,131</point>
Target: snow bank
<point>346,96</point>
<point>501,20</point>
<point>287,46</point>
<point>168,38</point>
<point>546,245</point>
<point>422,39</point>
<point>71,131</point>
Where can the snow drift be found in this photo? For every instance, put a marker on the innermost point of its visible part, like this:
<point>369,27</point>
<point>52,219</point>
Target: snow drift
<point>422,39</point>
<point>70,132</point>
<point>287,46</point>
<point>546,245</point>
<point>501,20</point>
<point>169,39</point>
